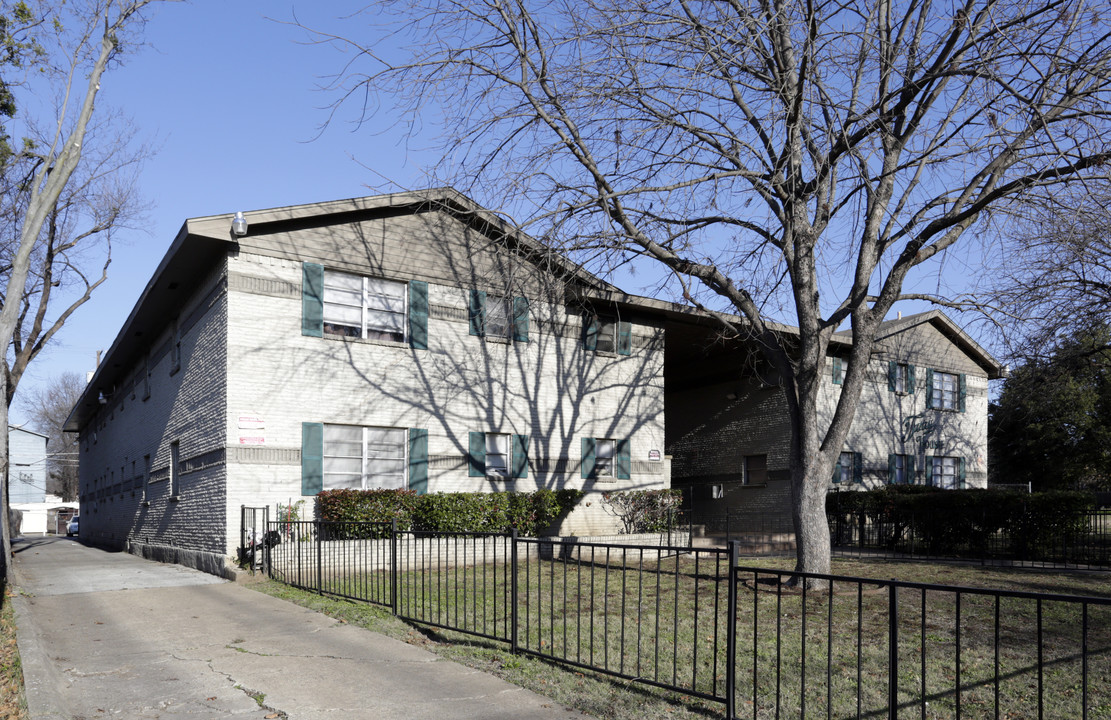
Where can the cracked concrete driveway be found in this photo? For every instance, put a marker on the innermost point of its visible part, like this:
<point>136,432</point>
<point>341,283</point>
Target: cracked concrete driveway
<point>111,635</point>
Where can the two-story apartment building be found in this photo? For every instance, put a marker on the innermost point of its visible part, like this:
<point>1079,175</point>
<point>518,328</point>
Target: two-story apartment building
<point>408,341</point>
<point>922,417</point>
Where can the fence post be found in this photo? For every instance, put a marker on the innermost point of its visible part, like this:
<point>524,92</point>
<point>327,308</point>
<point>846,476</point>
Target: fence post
<point>319,559</point>
<point>513,590</point>
<point>731,633</point>
<point>266,545</point>
<point>892,651</point>
<point>393,566</point>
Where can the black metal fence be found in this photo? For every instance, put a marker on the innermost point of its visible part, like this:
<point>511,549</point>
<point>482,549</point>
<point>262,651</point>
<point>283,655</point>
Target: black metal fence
<point>252,528</point>
<point>764,643</point>
<point>1083,543</point>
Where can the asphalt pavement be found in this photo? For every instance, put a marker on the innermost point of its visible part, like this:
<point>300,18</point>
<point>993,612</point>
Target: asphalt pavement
<point>107,634</point>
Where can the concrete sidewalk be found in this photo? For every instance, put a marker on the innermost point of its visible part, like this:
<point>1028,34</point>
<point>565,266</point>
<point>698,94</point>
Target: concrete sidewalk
<point>111,635</point>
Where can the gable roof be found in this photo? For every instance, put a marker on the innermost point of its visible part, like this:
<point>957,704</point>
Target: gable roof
<point>202,242</point>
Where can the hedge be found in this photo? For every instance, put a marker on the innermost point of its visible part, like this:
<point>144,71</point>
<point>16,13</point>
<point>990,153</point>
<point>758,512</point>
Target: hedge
<point>530,513</point>
<point>955,521</point>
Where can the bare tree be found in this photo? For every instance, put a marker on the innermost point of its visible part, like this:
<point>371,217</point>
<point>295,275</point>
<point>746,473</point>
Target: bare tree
<point>49,182</point>
<point>48,408</point>
<point>782,160</point>
<point>1061,288</point>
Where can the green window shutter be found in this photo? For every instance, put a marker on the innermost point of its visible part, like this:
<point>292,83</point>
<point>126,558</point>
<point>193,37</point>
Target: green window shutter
<point>418,460</point>
<point>418,315</point>
<point>858,468</point>
<point>910,379</point>
<point>837,470</point>
<point>911,477</point>
<point>590,332</point>
<point>312,458</point>
<point>929,460</point>
<point>520,319</point>
<point>892,469</point>
<point>892,375</point>
<point>312,299</point>
<point>624,460</point>
<point>624,338</point>
<point>476,313</point>
<point>961,476</point>
<point>836,371</point>
<point>963,390</point>
<point>929,389</point>
<point>520,456</point>
<point>587,471</point>
<point>476,458</point>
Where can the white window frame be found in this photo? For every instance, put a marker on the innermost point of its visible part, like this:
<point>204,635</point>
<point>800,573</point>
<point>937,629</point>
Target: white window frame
<point>605,464</point>
<point>367,480</point>
<point>946,472</point>
<point>499,455</point>
<point>845,467</point>
<point>498,319</point>
<point>945,393</point>
<point>901,477</point>
<point>902,378</point>
<point>370,302</point>
<point>175,474</point>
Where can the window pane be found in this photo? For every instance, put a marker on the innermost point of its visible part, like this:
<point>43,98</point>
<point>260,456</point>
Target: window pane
<point>497,317</point>
<point>607,336</point>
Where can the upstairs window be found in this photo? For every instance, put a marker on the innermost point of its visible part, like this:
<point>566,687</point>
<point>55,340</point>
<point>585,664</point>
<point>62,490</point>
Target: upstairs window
<point>363,307</point>
<point>607,335</point>
<point>946,391</point>
<point>900,378</point>
<point>494,316</point>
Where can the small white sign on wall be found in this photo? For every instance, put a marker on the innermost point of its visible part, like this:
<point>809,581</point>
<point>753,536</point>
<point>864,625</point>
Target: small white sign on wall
<point>654,455</point>
<point>252,440</point>
<point>251,422</point>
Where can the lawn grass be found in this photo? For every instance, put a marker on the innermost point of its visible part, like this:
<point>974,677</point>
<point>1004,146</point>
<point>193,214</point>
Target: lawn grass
<point>13,704</point>
<point>639,619</point>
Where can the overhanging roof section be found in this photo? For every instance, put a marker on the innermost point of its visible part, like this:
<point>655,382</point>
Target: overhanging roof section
<point>203,242</point>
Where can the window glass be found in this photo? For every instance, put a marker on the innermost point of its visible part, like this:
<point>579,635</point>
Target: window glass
<point>361,307</point>
<point>945,472</point>
<point>607,335</point>
<point>845,468</point>
<point>499,317</point>
<point>901,378</point>
<point>945,391</point>
<point>364,458</point>
<point>497,454</point>
<point>603,458</point>
<point>756,469</point>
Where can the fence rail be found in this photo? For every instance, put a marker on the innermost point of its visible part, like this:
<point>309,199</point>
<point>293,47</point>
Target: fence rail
<point>764,643</point>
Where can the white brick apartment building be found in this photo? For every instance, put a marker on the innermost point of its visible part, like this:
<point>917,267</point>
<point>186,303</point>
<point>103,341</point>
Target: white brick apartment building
<point>408,340</point>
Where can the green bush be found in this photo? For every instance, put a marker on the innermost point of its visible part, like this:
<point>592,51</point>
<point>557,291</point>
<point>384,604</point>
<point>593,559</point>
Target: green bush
<point>530,513</point>
<point>963,522</point>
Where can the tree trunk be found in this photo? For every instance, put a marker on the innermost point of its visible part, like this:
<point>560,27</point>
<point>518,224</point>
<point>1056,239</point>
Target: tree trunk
<point>5,536</point>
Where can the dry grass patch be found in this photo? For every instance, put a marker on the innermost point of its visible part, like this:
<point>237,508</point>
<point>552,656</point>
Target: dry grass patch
<point>13,704</point>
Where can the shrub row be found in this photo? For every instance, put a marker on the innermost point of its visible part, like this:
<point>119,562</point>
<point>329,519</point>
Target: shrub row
<point>952,521</point>
<point>530,513</point>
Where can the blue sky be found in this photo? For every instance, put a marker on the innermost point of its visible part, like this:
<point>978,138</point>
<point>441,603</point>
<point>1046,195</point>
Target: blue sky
<point>229,99</point>
<point>227,91</point>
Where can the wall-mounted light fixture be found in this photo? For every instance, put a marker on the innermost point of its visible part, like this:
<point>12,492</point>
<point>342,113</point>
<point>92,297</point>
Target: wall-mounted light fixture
<point>102,399</point>
<point>239,225</point>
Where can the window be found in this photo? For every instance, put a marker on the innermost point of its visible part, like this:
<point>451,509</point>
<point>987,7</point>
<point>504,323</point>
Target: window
<point>363,307</point>
<point>945,391</point>
<point>146,478</point>
<point>900,378</point>
<point>498,455</point>
<point>900,469</point>
<point>607,335</point>
<point>945,472</point>
<point>175,349</point>
<point>717,492</point>
<point>756,469</point>
<point>606,459</point>
<point>837,374</point>
<point>494,316</point>
<point>175,479</point>
<point>848,469</point>
<point>364,458</point>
